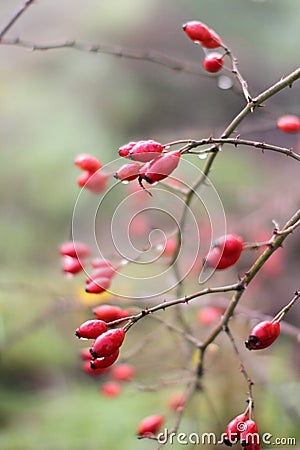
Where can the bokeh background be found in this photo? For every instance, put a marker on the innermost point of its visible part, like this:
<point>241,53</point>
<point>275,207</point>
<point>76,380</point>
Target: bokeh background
<point>56,104</point>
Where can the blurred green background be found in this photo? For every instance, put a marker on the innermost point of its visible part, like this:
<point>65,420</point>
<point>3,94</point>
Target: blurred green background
<point>56,104</point>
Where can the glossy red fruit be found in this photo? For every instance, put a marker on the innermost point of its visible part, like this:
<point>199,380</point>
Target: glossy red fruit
<point>196,31</point>
<point>145,151</point>
<point>225,252</point>
<point>214,41</point>
<point>128,172</point>
<point>125,149</point>
<point>109,313</point>
<point>98,285</point>
<point>250,433</point>
<point>75,249</point>
<point>123,372</point>
<point>104,362</point>
<point>95,182</point>
<point>107,343</point>
<point>213,62</point>
<point>87,368</point>
<point>87,162</point>
<point>160,168</point>
<point>150,425</point>
<point>91,329</point>
<point>111,389</point>
<point>71,265</point>
<point>263,335</point>
<point>234,429</point>
<point>289,124</point>
<point>101,272</point>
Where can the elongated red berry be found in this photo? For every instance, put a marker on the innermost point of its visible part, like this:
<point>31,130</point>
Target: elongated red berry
<point>94,182</point>
<point>101,272</point>
<point>75,249</point>
<point>85,354</point>
<point>72,265</point>
<point>91,329</point>
<point>123,372</point>
<point>109,313</point>
<point>234,428</point>
<point>213,62</point>
<point>176,401</point>
<point>128,172</point>
<point>214,41</point>
<point>196,31</point>
<point>87,368</point>
<point>209,315</point>
<point>160,168</point>
<point>107,343</point>
<point>145,151</point>
<point>225,252</point>
<point>125,149</point>
<point>263,335</point>
<point>104,362</point>
<point>98,285</point>
<point>87,162</point>
<point>111,389</point>
<point>289,124</point>
<point>249,435</point>
<point>150,425</point>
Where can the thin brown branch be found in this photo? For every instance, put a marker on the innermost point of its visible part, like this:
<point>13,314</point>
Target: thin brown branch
<point>24,6</point>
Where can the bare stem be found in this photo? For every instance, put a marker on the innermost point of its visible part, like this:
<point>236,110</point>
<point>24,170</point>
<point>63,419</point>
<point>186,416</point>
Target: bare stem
<point>24,6</point>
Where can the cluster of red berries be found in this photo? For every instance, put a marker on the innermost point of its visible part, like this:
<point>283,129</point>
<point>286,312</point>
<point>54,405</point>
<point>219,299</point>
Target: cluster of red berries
<point>225,252</point>
<point>157,165</point>
<point>244,430</point>
<point>91,178</point>
<point>199,33</point>
<point>75,259</point>
<point>107,340</point>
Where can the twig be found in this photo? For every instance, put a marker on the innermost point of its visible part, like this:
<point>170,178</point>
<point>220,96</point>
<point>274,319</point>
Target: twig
<point>15,17</point>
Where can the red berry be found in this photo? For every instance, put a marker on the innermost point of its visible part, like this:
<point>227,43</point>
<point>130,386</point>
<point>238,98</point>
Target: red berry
<point>101,272</point>
<point>71,265</point>
<point>87,368</point>
<point>145,151</point>
<point>91,329</point>
<point>85,354</point>
<point>150,425</point>
<point>214,41</point>
<point>225,252</point>
<point>110,313</point>
<point>170,246</point>
<point>104,362</point>
<point>111,389</point>
<point>123,372</point>
<point>160,168</point>
<point>213,62</point>
<point>196,31</point>
<point>94,182</point>
<point>176,401</point>
<point>87,162</point>
<point>107,343</point>
<point>128,172</point>
<point>263,335</point>
<point>98,285</point>
<point>234,428</point>
<point>209,315</point>
<point>249,435</point>
<point>125,149</point>
<point>75,249</point>
<point>289,124</point>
